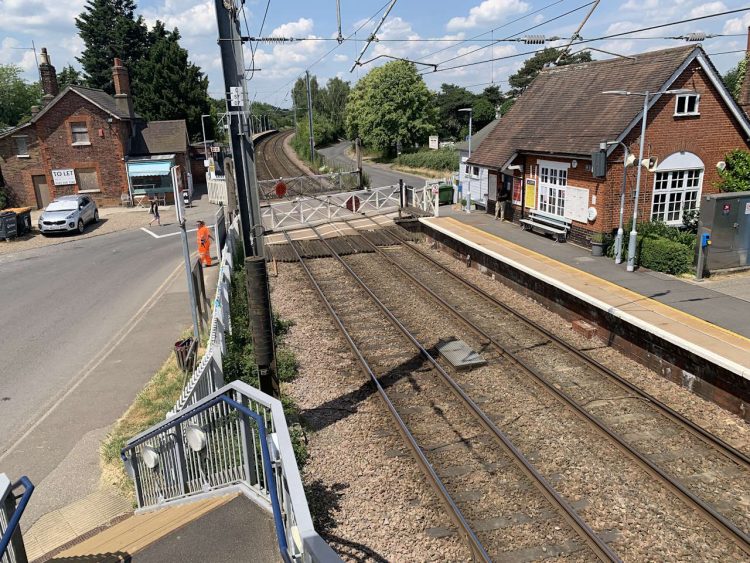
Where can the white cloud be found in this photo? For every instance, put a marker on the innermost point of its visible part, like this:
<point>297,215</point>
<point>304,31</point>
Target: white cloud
<point>488,12</point>
<point>340,58</point>
<point>28,14</point>
<point>737,25</point>
<point>707,9</point>
<point>301,28</point>
<point>192,20</point>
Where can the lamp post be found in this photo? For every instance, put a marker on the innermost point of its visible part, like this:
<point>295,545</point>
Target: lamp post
<point>468,191</point>
<point>632,241</point>
<point>203,128</point>
<point>620,231</point>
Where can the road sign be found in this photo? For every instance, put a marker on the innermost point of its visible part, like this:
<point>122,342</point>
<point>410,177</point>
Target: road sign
<point>280,189</point>
<point>353,204</point>
<point>235,96</point>
<point>215,149</point>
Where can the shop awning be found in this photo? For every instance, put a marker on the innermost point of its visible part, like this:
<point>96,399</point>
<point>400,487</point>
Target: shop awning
<point>149,168</point>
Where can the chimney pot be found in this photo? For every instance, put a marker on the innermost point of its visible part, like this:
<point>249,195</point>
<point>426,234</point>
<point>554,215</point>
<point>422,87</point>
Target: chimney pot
<point>744,94</point>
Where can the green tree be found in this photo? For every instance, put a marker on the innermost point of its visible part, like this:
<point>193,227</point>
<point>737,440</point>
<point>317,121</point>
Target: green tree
<point>736,176</point>
<point>16,96</point>
<point>69,77</point>
<point>333,102</point>
<point>109,29</point>
<point>391,103</point>
<point>299,93</point>
<point>169,86</point>
<point>449,100</point>
<point>733,78</point>
<point>531,67</point>
<point>493,95</point>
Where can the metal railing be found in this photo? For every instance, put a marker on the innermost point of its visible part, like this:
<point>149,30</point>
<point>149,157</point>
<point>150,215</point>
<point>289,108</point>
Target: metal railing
<point>235,438</point>
<point>209,374</point>
<point>301,186</point>
<point>305,211</point>
<point>11,509</point>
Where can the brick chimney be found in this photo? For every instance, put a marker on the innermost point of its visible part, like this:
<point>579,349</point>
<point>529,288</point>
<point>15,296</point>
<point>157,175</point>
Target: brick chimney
<point>744,100</point>
<point>48,75</point>
<point>122,88</point>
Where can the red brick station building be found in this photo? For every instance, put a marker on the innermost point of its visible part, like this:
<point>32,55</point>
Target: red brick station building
<point>83,140</point>
<point>542,148</point>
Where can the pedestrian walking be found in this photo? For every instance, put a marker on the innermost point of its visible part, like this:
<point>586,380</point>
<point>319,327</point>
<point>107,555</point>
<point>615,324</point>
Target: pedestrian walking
<point>502,202</point>
<point>204,243</point>
<point>155,212</point>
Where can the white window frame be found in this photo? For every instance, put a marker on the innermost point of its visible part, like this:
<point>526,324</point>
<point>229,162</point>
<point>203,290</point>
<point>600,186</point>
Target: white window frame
<point>675,192</point>
<point>478,172</point>
<point>686,97</point>
<point>19,154</point>
<point>550,192</point>
<point>73,126</point>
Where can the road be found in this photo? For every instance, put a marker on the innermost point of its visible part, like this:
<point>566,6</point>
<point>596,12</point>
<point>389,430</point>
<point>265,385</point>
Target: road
<point>380,174</point>
<point>85,324</point>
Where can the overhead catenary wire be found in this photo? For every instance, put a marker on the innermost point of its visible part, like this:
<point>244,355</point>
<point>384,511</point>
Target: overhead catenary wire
<point>602,38</point>
<point>372,36</point>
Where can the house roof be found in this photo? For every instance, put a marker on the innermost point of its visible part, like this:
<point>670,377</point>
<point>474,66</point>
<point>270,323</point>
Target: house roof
<point>564,111</point>
<point>477,137</point>
<point>160,137</point>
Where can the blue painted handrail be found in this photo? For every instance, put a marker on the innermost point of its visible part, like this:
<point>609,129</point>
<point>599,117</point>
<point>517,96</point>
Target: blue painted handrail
<point>16,518</point>
<point>267,468</point>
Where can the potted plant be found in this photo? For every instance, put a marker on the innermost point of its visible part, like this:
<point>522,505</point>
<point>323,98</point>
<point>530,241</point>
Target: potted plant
<point>597,244</point>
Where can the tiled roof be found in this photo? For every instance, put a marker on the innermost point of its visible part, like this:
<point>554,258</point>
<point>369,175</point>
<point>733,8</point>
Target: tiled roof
<point>564,111</point>
<point>477,137</point>
<point>101,99</point>
<point>160,137</point>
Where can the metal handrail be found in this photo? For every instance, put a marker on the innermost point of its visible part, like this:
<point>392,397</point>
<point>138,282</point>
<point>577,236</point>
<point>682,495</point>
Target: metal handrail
<point>15,519</point>
<point>267,472</point>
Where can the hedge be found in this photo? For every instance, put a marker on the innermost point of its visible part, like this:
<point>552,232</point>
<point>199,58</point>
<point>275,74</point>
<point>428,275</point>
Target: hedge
<point>664,255</point>
<point>441,159</point>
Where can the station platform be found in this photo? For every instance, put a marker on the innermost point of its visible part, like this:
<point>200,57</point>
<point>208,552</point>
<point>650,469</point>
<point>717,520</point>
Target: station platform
<point>693,335</point>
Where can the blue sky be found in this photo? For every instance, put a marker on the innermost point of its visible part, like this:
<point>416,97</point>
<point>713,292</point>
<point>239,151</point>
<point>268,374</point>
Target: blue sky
<point>50,24</point>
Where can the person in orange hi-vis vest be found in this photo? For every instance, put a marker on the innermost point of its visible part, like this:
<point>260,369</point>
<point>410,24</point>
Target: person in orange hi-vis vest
<point>204,243</point>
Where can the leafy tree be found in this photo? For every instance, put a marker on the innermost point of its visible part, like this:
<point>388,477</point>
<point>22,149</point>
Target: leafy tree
<point>736,176</point>
<point>506,105</point>
<point>69,77</point>
<point>333,101</point>
<point>109,29</point>
<point>493,95</point>
<point>169,86</point>
<point>299,93</point>
<point>449,100</point>
<point>16,96</point>
<point>531,67</point>
<point>391,103</point>
<point>733,79</point>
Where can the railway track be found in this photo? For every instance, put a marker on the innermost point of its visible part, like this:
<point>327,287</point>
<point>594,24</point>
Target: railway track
<point>274,163</point>
<point>516,343</point>
<point>420,396</point>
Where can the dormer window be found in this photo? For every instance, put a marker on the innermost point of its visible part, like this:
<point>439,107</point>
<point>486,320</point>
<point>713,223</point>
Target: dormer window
<point>79,133</point>
<point>686,104</point>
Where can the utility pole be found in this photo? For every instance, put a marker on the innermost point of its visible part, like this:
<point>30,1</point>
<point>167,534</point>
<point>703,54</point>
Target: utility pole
<point>233,66</point>
<point>310,117</point>
<point>258,293</point>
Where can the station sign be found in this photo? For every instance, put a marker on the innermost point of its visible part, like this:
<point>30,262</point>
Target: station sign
<point>434,142</point>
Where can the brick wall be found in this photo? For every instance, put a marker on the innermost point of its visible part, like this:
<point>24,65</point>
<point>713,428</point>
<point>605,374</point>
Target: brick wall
<point>710,136</point>
<point>18,171</point>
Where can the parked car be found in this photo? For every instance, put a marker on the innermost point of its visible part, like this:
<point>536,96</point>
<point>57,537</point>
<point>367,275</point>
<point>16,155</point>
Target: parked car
<point>68,213</point>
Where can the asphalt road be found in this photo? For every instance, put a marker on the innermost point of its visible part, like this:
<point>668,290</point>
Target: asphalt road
<point>84,325</point>
<point>380,175</point>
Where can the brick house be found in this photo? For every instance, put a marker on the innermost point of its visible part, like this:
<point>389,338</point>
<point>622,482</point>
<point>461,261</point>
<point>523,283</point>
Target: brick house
<point>76,142</point>
<point>542,148</point>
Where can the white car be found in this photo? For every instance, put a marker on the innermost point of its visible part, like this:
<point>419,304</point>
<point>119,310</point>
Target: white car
<point>68,213</point>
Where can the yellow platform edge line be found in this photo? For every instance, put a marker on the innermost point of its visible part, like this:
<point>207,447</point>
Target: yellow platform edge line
<point>572,269</point>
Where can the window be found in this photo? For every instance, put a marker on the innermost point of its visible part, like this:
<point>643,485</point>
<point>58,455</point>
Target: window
<point>79,133</point>
<point>22,145</point>
<point>687,104</point>
<point>87,180</point>
<point>475,171</point>
<point>553,178</point>
<point>675,193</point>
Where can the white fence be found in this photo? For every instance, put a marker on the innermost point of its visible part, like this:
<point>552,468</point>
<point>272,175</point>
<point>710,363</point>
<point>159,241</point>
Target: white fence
<point>217,190</point>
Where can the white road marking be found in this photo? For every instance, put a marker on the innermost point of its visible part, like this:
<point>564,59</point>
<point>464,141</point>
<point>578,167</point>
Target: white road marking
<point>153,234</point>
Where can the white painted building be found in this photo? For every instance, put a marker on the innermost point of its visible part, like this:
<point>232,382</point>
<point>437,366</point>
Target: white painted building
<point>475,179</point>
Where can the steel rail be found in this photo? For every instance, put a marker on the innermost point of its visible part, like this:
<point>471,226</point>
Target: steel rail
<point>592,539</point>
<point>707,437</point>
<point>719,521</point>
<point>454,512</point>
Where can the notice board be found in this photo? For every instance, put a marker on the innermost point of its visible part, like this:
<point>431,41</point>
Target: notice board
<point>576,204</point>
<point>530,196</point>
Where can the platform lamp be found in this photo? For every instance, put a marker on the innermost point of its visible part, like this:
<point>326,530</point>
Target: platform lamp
<point>632,242</point>
<point>468,192</point>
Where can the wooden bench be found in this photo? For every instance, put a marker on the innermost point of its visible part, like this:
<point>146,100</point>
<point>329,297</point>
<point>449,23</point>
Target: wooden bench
<point>557,226</point>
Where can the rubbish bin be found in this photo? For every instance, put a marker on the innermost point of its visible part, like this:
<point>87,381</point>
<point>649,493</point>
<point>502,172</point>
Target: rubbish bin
<point>446,194</point>
<point>23,220</point>
<point>8,226</point>
<point>182,351</point>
